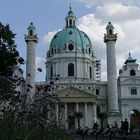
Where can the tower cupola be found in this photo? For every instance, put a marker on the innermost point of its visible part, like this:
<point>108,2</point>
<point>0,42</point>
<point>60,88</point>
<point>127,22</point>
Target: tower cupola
<point>110,35</point>
<point>130,59</point>
<point>31,29</point>
<point>31,36</point>
<point>70,19</point>
<point>110,28</point>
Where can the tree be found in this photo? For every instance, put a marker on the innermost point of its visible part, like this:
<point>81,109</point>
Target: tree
<point>102,116</point>
<point>9,60</point>
<point>78,115</point>
<point>9,56</point>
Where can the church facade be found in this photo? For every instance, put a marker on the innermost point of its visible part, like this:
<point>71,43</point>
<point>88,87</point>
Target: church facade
<point>80,88</point>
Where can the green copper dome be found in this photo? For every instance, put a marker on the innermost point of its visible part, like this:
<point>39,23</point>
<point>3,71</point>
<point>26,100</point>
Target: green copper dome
<point>70,38</point>
<point>70,35</point>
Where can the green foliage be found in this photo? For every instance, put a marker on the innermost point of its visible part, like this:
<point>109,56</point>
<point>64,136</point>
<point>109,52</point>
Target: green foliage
<point>20,132</point>
<point>9,56</point>
<point>102,116</point>
<point>9,60</point>
<point>78,115</point>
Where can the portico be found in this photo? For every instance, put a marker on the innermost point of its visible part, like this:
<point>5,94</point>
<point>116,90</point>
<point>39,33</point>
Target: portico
<point>75,100</point>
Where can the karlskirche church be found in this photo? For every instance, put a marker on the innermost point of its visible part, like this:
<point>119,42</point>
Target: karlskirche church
<point>80,88</point>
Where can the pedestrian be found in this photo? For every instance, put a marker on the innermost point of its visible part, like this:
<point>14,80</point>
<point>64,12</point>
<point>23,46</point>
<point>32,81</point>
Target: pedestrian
<point>126,125</point>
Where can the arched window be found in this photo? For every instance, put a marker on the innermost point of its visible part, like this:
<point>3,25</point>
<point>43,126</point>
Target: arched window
<point>31,32</point>
<point>70,23</point>
<point>89,50</point>
<point>67,24</point>
<point>70,69</point>
<point>132,72</point>
<point>52,50</point>
<point>110,31</point>
<point>98,109</point>
<point>90,72</point>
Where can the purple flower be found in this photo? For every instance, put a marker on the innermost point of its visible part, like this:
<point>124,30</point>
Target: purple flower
<point>56,78</point>
<point>28,85</point>
<point>28,89</point>
<point>39,69</point>
<point>51,82</point>
<point>28,74</point>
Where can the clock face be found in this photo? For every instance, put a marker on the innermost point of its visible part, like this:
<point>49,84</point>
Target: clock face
<point>70,47</point>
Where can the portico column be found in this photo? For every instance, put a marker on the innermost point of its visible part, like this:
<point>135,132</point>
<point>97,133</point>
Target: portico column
<point>77,110</point>
<point>66,116</point>
<point>94,112</point>
<point>77,107</point>
<point>85,106</point>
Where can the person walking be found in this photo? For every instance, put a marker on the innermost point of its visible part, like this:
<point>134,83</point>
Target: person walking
<point>126,126</point>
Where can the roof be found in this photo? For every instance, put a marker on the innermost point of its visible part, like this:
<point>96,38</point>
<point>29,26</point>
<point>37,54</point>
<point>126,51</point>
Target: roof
<point>31,26</point>
<point>109,26</point>
<point>130,59</point>
<point>70,35</point>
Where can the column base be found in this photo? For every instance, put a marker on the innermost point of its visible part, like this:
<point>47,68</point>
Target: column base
<point>113,117</point>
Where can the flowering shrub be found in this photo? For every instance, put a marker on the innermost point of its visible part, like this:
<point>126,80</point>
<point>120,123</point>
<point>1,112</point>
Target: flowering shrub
<point>25,120</point>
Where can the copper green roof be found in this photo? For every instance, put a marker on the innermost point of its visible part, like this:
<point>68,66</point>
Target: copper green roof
<point>130,59</point>
<point>70,12</point>
<point>70,35</point>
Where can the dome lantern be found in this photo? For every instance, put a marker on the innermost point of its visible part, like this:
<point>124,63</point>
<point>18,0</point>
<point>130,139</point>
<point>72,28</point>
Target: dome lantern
<point>70,19</point>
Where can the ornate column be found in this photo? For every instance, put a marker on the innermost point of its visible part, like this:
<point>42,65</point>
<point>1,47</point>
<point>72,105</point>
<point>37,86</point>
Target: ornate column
<point>77,107</point>
<point>85,106</point>
<point>77,110</point>
<point>110,39</point>
<point>94,112</point>
<point>66,116</point>
<point>31,41</point>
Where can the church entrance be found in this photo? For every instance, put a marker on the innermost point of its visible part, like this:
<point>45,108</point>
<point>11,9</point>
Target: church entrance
<point>71,115</point>
<point>71,122</point>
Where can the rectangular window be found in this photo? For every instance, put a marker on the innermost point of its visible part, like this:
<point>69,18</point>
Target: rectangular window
<point>97,91</point>
<point>133,91</point>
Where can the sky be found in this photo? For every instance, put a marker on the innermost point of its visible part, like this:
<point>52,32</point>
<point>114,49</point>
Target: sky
<point>92,17</point>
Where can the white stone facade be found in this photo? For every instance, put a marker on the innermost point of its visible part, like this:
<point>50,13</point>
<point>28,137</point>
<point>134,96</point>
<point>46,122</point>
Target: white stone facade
<point>80,87</point>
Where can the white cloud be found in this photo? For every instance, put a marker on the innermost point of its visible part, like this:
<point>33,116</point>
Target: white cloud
<point>47,38</point>
<point>117,12</point>
<point>95,30</point>
<point>91,3</point>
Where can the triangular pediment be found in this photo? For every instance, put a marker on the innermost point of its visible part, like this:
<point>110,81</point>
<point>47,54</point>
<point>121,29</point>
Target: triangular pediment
<point>73,92</point>
<point>131,81</point>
